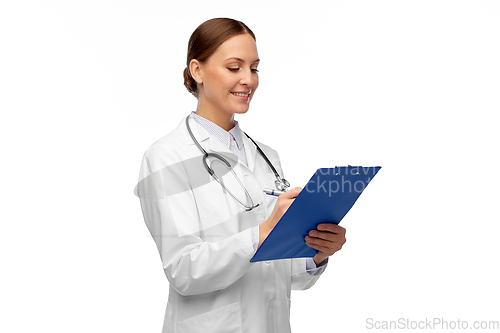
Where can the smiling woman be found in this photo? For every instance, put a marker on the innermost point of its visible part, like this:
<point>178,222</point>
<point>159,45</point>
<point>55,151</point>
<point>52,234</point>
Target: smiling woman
<point>223,77</point>
<point>208,225</point>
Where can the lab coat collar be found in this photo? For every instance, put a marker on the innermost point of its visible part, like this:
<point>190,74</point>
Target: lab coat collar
<point>212,144</point>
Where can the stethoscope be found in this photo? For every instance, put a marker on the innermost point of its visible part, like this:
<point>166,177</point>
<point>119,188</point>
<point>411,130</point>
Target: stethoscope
<point>280,183</point>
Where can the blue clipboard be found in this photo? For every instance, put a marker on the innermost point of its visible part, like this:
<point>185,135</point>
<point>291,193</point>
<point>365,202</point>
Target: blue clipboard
<point>327,197</point>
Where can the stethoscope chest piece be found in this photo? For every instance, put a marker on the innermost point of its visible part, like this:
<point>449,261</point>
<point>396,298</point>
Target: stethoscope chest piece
<point>281,184</point>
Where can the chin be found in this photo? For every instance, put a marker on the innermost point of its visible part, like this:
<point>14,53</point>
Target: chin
<point>240,109</point>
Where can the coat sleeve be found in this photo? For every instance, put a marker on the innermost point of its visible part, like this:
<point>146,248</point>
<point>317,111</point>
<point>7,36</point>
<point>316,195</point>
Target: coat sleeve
<point>303,279</point>
<point>191,264</point>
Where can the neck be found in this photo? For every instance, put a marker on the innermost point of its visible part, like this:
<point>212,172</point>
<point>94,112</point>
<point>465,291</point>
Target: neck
<point>222,119</point>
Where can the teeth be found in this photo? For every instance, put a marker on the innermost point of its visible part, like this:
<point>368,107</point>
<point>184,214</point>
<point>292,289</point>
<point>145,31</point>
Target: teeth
<point>242,95</point>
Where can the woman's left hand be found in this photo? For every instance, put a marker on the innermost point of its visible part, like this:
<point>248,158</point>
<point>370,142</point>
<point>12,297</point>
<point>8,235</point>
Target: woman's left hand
<point>327,239</point>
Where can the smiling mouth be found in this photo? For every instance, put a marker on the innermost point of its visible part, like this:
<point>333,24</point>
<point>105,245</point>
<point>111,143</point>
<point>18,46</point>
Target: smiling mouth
<point>241,94</point>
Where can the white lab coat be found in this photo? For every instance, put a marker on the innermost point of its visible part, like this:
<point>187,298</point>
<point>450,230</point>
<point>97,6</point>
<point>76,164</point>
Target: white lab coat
<point>213,285</point>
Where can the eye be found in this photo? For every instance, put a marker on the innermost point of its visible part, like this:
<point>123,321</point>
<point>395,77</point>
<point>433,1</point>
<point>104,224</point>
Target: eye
<point>255,70</point>
<point>234,69</point>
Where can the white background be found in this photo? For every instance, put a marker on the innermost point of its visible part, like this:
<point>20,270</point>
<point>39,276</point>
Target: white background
<point>412,86</point>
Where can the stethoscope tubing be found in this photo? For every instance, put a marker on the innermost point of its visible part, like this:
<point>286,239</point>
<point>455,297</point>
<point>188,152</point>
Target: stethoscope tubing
<point>280,183</point>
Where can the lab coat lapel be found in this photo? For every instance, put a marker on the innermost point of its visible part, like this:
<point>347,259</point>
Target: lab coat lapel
<point>244,173</point>
<point>250,151</point>
<point>199,133</point>
<point>216,146</point>
<point>249,175</point>
<point>213,145</point>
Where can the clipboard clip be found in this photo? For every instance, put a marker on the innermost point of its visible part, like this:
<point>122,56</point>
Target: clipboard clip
<point>348,166</point>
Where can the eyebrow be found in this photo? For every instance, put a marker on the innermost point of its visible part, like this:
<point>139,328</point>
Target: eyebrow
<point>241,60</point>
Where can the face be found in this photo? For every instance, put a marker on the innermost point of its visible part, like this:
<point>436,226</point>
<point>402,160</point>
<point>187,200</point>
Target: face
<point>229,76</point>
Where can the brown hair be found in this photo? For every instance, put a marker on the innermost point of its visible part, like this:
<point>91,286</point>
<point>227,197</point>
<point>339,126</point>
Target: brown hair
<point>206,39</point>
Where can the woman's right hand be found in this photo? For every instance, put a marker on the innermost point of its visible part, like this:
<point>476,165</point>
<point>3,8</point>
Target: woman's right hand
<point>284,201</point>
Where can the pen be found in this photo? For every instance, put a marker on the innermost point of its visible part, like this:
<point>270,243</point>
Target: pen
<point>274,192</point>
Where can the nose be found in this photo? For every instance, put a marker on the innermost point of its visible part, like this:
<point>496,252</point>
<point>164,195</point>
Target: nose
<point>247,78</point>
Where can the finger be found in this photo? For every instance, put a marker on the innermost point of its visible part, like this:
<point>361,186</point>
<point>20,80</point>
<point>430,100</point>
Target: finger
<point>326,250</point>
<point>321,234</point>
<point>331,227</point>
<point>314,246</point>
<point>321,242</point>
<point>292,193</point>
<point>328,236</point>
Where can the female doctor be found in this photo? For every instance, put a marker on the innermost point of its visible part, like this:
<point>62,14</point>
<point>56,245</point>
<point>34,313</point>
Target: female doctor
<point>201,191</point>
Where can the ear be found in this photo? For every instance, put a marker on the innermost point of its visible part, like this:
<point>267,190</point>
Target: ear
<point>195,69</point>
